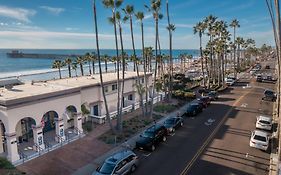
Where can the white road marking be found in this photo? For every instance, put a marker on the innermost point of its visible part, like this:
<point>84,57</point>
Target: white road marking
<point>244,105</point>
<point>209,122</point>
<point>247,155</point>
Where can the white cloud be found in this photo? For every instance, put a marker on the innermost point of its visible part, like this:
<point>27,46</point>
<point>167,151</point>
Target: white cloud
<point>147,16</point>
<point>53,10</point>
<point>17,13</point>
<point>71,29</point>
<point>184,25</point>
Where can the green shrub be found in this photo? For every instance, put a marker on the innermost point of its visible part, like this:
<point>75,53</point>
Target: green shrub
<point>87,126</point>
<point>5,164</point>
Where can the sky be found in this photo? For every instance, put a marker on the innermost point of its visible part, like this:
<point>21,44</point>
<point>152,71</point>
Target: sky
<point>68,24</point>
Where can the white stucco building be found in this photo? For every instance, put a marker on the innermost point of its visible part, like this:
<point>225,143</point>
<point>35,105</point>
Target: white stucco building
<point>34,115</point>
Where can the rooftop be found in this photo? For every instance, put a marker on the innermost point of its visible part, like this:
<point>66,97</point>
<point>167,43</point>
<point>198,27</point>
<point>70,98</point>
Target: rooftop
<point>57,87</point>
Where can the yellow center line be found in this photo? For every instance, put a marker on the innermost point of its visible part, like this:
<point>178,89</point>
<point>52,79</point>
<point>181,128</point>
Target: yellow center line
<point>189,165</point>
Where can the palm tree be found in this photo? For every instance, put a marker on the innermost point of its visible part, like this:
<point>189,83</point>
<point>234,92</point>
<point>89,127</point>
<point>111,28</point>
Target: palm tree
<point>234,24</point>
<point>106,59</point>
<point>100,69</point>
<point>80,60</point>
<point>58,64</point>
<point>113,5</point>
<point>74,67</point>
<point>200,28</point>
<point>87,57</point>
<point>68,62</point>
<point>239,41</point>
<point>93,58</point>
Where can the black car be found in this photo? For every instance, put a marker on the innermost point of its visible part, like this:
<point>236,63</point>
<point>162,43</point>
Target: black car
<point>267,67</point>
<point>269,95</point>
<point>205,99</point>
<point>193,109</point>
<point>203,90</point>
<point>259,78</point>
<point>151,137</point>
<point>171,124</point>
<point>213,95</point>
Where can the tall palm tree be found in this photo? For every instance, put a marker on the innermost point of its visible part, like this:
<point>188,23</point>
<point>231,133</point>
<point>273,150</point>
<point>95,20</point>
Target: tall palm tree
<point>239,41</point>
<point>200,28</point>
<point>74,67</point>
<point>106,59</point>
<point>58,64</point>
<point>234,24</point>
<point>100,69</point>
<point>113,5</point>
<point>80,60</point>
<point>129,11</point>
<point>87,57</point>
<point>93,60</point>
<point>68,62</point>
<point>155,7</point>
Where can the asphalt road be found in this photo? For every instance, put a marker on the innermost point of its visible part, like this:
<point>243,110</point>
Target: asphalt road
<point>216,141</point>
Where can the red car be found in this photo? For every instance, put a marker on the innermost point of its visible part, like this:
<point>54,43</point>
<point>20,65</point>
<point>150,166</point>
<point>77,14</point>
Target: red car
<point>205,100</point>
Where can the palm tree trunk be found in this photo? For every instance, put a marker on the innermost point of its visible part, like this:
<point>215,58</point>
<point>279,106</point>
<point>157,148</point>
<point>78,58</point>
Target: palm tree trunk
<point>60,72</point>
<point>201,55</point>
<point>119,119</point>
<point>93,65</point>
<point>100,70</point>
<point>155,70</point>
<point>69,71</point>
<point>137,68</point>
<point>234,53</point>
<point>90,71</point>
<point>82,70</point>
<point>105,62</point>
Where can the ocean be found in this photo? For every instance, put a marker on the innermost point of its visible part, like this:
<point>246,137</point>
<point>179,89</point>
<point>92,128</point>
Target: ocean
<point>27,69</point>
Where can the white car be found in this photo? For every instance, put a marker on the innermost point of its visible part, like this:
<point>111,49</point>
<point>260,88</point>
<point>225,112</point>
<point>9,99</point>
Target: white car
<point>259,139</point>
<point>264,122</point>
<point>229,82</point>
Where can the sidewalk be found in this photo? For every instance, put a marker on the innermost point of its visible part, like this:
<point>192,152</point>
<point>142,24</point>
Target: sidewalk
<point>131,143</point>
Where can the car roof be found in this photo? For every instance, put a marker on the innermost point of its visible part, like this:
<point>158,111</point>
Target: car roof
<point>153,128</point>
<point>119,156</point>
<point>260,133</point>
<point>265,118</point>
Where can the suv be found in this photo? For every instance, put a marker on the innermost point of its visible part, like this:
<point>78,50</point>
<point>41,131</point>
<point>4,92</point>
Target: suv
<point>269,95</point>
<point>259,78</point>
<point>152,136</point>
<point>123,162</point>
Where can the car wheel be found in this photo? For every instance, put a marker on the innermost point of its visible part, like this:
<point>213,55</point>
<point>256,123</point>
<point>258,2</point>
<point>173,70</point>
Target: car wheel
<point>164,139</point>
<point>181,124</point>
<point>152,148</point>
<point>133,168</point>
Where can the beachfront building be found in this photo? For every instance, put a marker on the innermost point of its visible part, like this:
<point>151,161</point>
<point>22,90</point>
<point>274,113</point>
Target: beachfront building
<point>34,116</point>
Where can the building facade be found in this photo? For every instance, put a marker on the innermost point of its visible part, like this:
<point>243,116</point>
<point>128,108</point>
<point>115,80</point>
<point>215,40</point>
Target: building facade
<point>37,115</point>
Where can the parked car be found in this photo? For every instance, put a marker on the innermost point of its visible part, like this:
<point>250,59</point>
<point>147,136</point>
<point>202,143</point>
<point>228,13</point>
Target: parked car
<point>259,139</point>
<point>205,99</point>
<point>229,82</point>
<point>259,78</point>
<point>120,163</point>
<point>151,137</point>
<point>264,122</point>
<point>269,95</point>
<point>267,67</point>
<point>171,124</point>
<point>193,109</point>
<point>213,95</point>
<point>203,90</point>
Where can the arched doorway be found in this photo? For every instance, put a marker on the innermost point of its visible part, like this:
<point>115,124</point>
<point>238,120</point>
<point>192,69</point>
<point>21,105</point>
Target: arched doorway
<point>24,130</point>
<point>48,121</point>
<point>3,143</point>
<point>69,116</point>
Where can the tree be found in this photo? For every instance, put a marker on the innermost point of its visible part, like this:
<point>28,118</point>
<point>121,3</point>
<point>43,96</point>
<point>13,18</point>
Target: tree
<point>58,64</point>
<point>100,69</point>
<point>113,5</point>
<point>155,7</point>
<point>93,58</point>
<point>234,24</point>
<point>87,57</point>
<point>74,67</point>
<point>68,62</point>
<point>106,59</point>
<point>200,28</point>
<point>80,60</point>
<point>239,41</point>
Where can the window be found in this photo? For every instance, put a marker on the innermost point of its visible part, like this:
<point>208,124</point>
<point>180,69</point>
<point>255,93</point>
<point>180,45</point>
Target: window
<point>106,89</point>
<point>130,97</point>
<point>114,87</point>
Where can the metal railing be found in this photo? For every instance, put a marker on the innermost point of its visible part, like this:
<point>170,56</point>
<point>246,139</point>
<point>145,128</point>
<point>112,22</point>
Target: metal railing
<point>22,156</point>
<point>38,148</point>
<point>47,145</point>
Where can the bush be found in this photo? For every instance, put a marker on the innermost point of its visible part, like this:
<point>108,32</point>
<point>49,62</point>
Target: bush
<point>87,126</point>
<point>5,164</point>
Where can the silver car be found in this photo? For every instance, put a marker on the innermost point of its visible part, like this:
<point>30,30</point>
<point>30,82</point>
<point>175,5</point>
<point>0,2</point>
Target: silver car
<point>120,163</point>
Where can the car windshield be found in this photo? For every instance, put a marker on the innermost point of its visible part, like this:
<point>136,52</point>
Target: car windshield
<point>148,134</point>
<point>170,121</point>
<point>260,138</point>
<point>107,168</point>
<point>264,122</point>
<point>268,93</point>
